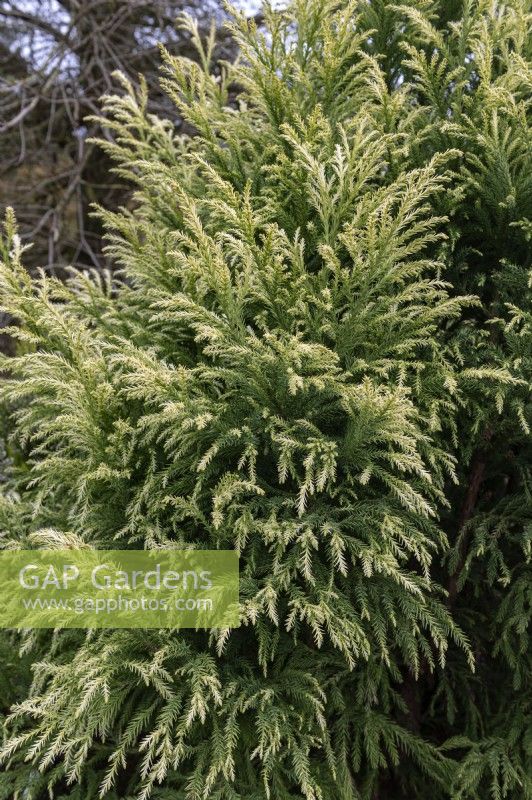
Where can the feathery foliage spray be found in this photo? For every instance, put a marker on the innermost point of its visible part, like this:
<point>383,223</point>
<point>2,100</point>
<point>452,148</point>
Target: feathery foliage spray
<point>318,351</point>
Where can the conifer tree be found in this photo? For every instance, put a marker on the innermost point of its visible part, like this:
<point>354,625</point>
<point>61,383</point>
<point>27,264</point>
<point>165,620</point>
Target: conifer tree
<point>316,350</point>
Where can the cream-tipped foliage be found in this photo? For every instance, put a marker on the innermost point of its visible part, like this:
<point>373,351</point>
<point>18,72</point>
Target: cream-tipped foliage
<point>316,350</point>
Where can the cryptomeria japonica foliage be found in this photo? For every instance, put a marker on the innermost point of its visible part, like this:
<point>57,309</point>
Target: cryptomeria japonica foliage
<point>316,349</point>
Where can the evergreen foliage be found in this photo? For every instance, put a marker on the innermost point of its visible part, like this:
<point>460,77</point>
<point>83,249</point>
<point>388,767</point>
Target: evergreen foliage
<point>318,351</point>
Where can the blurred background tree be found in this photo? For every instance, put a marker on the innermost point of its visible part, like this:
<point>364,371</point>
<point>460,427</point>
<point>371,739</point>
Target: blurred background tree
<point>57,58</point>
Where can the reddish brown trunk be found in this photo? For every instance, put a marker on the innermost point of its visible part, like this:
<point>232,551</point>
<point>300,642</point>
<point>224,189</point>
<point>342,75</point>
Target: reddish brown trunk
<point>476,478</point>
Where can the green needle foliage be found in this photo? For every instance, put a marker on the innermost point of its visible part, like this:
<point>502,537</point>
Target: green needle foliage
<point>318,351</point>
